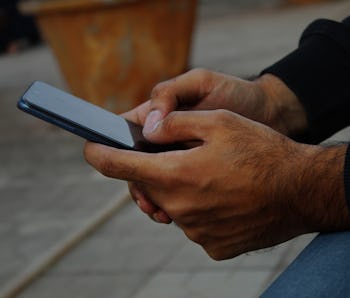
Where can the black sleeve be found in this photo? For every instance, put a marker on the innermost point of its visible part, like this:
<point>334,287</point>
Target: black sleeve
<point>347,177</point>
<point>318,72</point>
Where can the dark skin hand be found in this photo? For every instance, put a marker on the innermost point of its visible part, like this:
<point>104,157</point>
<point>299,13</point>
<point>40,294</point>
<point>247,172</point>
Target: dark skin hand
<point>244,187</point>
<point>267,100</point>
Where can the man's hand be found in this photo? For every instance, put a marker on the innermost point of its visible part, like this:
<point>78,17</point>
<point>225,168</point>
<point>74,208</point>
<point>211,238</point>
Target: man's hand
<point>267,100</point>
<point>245,187</point>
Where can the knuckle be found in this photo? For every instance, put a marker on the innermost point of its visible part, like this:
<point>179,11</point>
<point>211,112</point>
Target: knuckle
<point>178,211</point>
<point>195,236</point>
<point>161,89</point>
<point>200,72</point>
<point>220,253</point>
<point>178,175</point>
<point>215,255</point>
<point>171,173</point>
<point>186,213</point>
<point>169,122</point>
<point>223,118</point>
<point>205,78</point>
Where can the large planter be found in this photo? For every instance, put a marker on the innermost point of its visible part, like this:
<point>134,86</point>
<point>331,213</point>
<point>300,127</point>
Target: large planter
<point>113,52</point>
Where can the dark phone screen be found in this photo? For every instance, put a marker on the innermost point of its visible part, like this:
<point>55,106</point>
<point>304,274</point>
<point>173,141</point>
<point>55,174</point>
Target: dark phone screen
<point>87,116</point>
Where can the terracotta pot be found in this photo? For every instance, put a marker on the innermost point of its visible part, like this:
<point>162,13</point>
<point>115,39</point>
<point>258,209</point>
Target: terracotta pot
<point>113,52</point>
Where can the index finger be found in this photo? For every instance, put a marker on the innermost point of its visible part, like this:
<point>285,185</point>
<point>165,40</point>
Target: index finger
<point>138,115</point>
<point>180,92</point>
<point>127,164</point>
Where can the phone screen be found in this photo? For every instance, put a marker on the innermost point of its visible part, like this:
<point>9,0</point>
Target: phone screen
<point>84,118</point>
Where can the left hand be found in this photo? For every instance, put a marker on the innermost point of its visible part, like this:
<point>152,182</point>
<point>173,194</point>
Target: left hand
<point>242,189</point>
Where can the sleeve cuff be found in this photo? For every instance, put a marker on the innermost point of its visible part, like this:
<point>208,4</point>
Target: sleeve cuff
<point>347,177</point>
<point>318,73</point>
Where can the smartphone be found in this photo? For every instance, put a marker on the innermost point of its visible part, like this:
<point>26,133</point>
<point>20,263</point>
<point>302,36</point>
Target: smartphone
<point>85,119</point>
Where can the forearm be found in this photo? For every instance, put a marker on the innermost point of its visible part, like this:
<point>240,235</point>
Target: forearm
<point>283,110</point>
<point>320,192</point>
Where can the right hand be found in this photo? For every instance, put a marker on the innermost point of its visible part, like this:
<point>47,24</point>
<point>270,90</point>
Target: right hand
<point>245,187</point>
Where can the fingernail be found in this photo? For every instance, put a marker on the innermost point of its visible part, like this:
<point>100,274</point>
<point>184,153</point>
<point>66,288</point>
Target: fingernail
<point>137,193</point>
<point>152,122</point>
<point>138,203</point>
<point>156,217</point>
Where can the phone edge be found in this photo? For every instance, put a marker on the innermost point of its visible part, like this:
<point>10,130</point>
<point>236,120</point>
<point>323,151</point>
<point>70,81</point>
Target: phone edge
<point>79,131</point>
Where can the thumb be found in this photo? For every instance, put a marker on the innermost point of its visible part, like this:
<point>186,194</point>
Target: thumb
<point>163,101</point>
<point>160,106</point>
<point>182,126</point>
<point>181,92</point>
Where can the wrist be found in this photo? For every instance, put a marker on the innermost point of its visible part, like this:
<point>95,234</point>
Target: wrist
<point>319,201</point>
<point>283,110</point>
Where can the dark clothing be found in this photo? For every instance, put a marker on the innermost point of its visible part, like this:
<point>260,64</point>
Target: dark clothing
<point>14,26</point>
<point>318,72</point>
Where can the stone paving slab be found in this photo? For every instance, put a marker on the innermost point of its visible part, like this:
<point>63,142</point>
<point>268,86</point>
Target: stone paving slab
<point>245,42</point>
<point>128,243</point>
<point>86,286</point>
<point>171,266</point>
<point>204,285</point>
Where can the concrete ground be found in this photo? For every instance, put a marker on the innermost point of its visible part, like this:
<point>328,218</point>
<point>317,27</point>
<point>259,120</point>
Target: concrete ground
<point>47,192</point>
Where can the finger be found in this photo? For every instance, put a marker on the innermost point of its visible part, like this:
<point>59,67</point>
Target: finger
<point>182,91</point>
<point>147,206</point>
<point>126,164</point>
<point>140,199</point>
<point>138,115</point>
<point>162,217</point>
<point>184,126</point>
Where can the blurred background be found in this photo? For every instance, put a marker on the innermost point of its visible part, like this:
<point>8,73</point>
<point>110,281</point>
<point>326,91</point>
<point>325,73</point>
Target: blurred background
<point>66,231</point>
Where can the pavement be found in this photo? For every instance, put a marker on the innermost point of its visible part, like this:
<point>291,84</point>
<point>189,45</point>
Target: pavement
<point>49,195</point>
